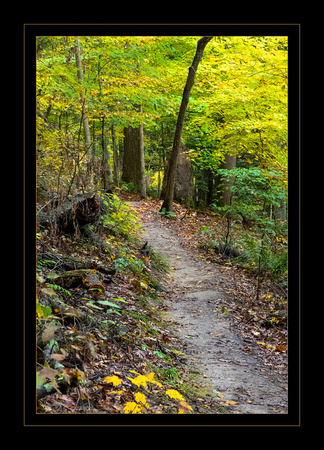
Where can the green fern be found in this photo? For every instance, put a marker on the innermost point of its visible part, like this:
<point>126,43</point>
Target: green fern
<point>56,287</point>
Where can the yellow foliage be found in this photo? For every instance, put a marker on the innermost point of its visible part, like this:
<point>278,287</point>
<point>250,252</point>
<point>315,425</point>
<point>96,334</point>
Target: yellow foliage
<point>133,408</point>
<point>150,378</point>
<point>186,408</point>
<point>114,380</point>
<point>140,398</point>
<point>172,393</point>
<point>140,380</point>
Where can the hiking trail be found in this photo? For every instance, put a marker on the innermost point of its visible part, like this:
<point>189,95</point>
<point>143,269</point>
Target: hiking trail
<point>216,353</point>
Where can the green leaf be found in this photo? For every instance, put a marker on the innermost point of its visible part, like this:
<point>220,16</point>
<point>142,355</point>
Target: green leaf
<point>119,300</point>
<point>92,305</point>
<point>106,303</point>
<point>52,275</point>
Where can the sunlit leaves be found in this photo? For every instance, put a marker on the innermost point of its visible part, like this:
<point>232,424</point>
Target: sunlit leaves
<point>172,393</point>
<point>114,380</point>
<point>132,408</point>
<point>242,85</point>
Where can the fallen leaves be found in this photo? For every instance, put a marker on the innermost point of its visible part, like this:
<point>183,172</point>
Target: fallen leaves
<point>172,393</point>
<point>114,380</point>
<point>48,331</point>
<point>136,341</point>
<point>228,403</point>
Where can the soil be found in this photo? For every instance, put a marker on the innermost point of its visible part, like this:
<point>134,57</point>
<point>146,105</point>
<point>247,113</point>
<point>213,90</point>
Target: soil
<point>222,364</point>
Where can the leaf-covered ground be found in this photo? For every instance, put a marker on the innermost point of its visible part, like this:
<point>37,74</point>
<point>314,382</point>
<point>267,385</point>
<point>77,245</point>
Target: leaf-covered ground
<point>263,321</point>
<point>115,352</point>
<point>112,352</point>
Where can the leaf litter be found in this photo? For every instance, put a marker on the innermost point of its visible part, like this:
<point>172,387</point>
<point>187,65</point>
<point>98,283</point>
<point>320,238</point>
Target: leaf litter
<point>133,335</point>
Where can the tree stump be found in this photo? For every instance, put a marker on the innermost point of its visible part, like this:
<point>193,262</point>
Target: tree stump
<point>73,214</point>
<point>90,279</point>
<point>184,190</point>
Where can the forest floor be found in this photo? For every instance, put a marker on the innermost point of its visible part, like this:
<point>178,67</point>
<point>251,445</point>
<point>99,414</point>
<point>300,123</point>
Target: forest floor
<point>244,366</point>
<point>191,341</point>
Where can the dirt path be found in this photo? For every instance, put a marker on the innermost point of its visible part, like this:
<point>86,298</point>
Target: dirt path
<point>215,351</point>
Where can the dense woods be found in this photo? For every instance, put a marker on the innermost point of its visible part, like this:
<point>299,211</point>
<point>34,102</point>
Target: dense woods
<point>100,99</point>
<point>112,112</point>
<point>199,123</point>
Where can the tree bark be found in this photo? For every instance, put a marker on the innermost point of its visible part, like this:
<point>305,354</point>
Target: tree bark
<point>224,187</point>
<point>173,158</point>
<point>72,214</point>
<point>184,190</point>
<point>85,120</point>
<point>115,156</point>
<point>105,172</point>
<point>141,158</point>
<point>133,162</point>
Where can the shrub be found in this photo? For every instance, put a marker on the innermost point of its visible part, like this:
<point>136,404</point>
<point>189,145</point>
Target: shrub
<point>120,220</point>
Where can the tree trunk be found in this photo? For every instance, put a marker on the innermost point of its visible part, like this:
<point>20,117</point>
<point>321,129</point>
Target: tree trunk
<point>105,167</point>
<point>115,156</point>
<point>133,162</point>
<point>141,157</point>
<point>85,120</point>
<point>224,187</point>
<point>72,215</point>
<point>173,158</point>
<point>184,190</point>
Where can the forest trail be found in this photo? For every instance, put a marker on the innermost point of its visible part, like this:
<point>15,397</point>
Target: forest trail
<point>216,353</point>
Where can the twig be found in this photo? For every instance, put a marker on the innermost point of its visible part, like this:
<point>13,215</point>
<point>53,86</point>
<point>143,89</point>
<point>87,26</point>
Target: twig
<point>44,206</point>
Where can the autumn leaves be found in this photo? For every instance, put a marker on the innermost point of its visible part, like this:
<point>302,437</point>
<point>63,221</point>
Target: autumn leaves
<point>140,404</point>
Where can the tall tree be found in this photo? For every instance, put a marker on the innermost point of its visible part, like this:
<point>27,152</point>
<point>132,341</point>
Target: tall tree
<point>134,164</point>
<point>224,186</point>
<point>169,194</point>
<point>133,161</point>
<point>85,119</point>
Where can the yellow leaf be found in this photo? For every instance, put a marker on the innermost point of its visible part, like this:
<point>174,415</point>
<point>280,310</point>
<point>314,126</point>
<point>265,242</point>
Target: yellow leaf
<point>133,408</point>
<point>186,407</point>
<point>261,343</point>
<point>140,398</point>
<point>228,402</point>
<point>172,393</point>
<point>140,380</point>
<point>114,380</point>
<point>150,378</point>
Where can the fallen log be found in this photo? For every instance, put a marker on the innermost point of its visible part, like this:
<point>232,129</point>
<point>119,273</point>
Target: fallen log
<point>90,279</point>
<point>72,215</point>
<point>80,213</point>
<point>68,262</point>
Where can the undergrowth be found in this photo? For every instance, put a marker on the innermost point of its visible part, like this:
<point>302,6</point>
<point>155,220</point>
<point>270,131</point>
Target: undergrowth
<point>82,332</point>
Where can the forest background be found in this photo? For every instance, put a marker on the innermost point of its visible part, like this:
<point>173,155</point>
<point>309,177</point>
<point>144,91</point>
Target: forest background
<point>92,91</point>
<point>107,108</point>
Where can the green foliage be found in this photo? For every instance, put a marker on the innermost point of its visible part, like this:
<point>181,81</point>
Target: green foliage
<point>56,287</point>
<point>238,101</point>
<point>255,190</point>
<point>42,311</point>
<point>167,214</point>
<point>120,220</point>
<point>255,194</point>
